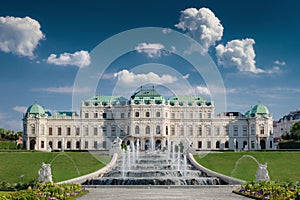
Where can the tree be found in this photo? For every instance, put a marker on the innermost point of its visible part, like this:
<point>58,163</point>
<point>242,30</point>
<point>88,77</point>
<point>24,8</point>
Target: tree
<point>295,131</point>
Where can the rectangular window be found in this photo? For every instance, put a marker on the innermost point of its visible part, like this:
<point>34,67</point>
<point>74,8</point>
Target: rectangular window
<point>191,115</point>
<point>208,144</point>
<point>181,131</point>
<point>95,144</point>
<point>95,115</point>
<point>200,115</point>
<point>68,131</point>
<point>208,115</point>
<point>235,130</point>
<point>104,115</point>
<point>104,144</point>
<point>217,130</point>
<point>77,131</point>
<point>113,131</point>
<point>182,115</point>
<point>77,144</point>
<point>172,115</point>
<point>245,131</point>
<point>199,144</point>
<point>86,130</point>
<point>200,130</point>
<point>86,115</point>
<point>122,133</point>
<point>59,131</point>
<point>95,131</point>
<point>50,131</point>
<point>226,130</point>
<point>42,144</point>
<point>252,129</point>
<point>208,130</point>
<point>122,115</point>
<point>252,144</point>
<point>172,130</point>
<point>104,130</point>
<point>86,144</point>
<point>191,131</point>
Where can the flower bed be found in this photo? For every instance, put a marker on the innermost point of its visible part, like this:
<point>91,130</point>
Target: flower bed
<point>49,191</point>
<point>270,190</point>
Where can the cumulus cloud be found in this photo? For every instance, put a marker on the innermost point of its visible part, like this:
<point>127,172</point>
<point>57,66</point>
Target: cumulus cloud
<point>238,53</point>
<point>281,63</point>
<point>151,49</point>
<point>80,59</point>
<point>21,109</point>
<point>203,90</point>
<point>202,25</point>
<point>63,90</point>
<point>128,78</point>
<point>19,36</point>
<point>186,76</point>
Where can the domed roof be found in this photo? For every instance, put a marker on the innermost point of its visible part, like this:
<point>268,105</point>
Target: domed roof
<point>36,109</point>
<point>258,109</point>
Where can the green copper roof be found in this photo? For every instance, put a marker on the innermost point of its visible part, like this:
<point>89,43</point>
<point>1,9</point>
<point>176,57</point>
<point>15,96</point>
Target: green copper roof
<point>258,109</point>
<point>189,100</point>
<point>147,94</point>
<point>96,100</point>
<point>36,109</point>
<point>68,113</point>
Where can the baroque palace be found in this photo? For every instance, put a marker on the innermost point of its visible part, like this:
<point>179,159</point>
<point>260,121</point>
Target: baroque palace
<point>150,119</point>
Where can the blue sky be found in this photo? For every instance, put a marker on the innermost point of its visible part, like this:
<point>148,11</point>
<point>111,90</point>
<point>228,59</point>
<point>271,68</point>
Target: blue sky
<point>254,45</point>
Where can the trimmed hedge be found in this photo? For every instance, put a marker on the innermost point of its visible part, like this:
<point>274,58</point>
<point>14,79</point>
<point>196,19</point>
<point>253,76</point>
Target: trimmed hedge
<point>9,145</point>
<point>289,144</point>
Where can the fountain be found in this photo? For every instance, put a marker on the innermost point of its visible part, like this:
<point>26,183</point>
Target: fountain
<point>154,167</point>
<point>262,173</point>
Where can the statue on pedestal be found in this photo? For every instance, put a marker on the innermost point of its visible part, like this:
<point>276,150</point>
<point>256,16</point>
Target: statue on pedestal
<point>262,173</point>
<point>45,175</point>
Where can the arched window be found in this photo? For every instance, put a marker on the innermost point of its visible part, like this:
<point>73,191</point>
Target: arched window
<point>167,130</point>
<point>157,114</point>
<point>59,144</point>
<point>78,144</point>
<point>147,129</point>
<point>218,144</point>
<point>158,130</point>
<point>68,144</point>
<point>51,144</point>
<point>137,130</point>
<point>137,114</point>
<point>147,114</point>
<point>226,144</point>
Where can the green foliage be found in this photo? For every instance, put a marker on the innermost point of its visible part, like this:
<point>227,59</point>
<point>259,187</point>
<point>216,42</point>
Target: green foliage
<point>9,135</point>
<point>289,144</point>
<point>295,131</point>
<point>282,166</point>
<point>270,190</point>
<point>47,191</point>
<point>23,166</point>
<point>8,145</point>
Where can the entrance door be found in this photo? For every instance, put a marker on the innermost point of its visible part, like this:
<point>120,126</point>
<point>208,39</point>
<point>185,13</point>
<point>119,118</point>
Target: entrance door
<point>263,144</point>
<point>32,144</point>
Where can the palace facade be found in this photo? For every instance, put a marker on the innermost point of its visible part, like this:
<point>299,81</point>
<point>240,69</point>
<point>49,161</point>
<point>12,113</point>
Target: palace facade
<point>151,119</point>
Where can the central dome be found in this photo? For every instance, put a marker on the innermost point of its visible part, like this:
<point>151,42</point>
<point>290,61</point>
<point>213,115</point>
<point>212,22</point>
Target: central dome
<point>258,109</point>
<point>36,109</point>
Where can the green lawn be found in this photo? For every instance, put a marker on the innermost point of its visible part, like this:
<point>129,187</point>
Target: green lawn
<point>282,166</point>
<point>24,166</point>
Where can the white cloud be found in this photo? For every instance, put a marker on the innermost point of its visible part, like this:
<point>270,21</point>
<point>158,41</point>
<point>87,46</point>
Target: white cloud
<point>238,53</point>
<point>186,76</point>
<point>63,90</point>
<point>151,49</point>
<point>202,25</point>
<point>166,30</point>
<point>203,90</point>
<point>281,63</point>
<point>127,78</point>
<point>19,36</point>
<point>80,59</point>
<point>21,109</point>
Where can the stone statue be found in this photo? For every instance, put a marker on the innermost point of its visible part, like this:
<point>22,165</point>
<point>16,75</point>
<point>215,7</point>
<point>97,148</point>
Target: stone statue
<point>45,175</point>
<point>116,147</point>
<point>262,173</point>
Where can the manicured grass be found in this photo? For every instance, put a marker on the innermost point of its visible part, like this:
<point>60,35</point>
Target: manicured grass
<point>23,166</point>
<point>282,166</point>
